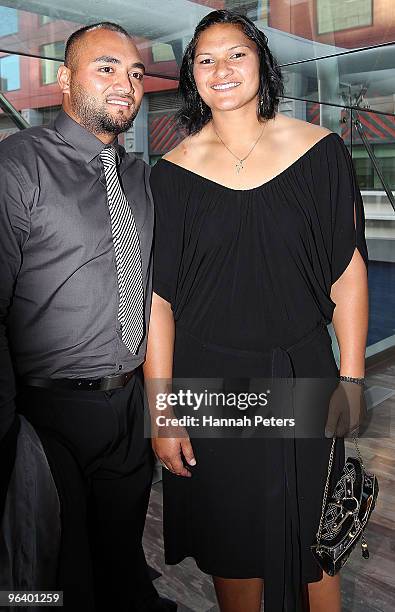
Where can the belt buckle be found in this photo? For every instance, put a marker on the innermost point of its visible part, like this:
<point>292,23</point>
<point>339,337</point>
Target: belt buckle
<point>110,382</point>
<point>115,381</point>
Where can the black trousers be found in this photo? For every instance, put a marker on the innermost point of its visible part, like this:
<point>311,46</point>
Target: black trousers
<point>102,466</point>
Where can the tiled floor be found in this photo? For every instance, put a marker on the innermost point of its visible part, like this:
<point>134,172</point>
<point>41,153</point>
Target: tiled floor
<point>367,586</point>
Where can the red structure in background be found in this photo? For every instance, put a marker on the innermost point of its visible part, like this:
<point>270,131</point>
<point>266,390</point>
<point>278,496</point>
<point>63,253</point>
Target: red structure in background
<point>378,128</point>
<point>300,18</point>
<point>33,93</point>
<point>163,134</point>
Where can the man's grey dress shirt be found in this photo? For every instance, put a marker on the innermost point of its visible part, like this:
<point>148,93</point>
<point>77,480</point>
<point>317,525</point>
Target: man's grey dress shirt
<point>58,280</point>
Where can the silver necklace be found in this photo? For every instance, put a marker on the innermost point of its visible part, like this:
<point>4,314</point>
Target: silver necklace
<point>240,160</point>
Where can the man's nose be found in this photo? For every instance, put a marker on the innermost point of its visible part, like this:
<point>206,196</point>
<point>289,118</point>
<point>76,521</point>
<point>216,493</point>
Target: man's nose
<point>124,83</point>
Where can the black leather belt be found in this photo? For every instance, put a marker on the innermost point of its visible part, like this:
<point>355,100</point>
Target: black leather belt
<point>105,383</point>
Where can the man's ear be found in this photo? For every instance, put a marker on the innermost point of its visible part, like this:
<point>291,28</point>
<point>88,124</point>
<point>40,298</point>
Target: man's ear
<point>64,77</point>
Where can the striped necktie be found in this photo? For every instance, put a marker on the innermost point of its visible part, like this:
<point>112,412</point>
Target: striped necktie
<point>127,255</point>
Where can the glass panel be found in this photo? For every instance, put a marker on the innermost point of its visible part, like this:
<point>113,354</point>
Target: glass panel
<point>36,101</point>
<point>365,79</point>
<point>35,31</point>
<point>49,68</point>
<point>9,73</point>
<point>8,21</point>
<point>380,221</point>
<point>295,28</point>
<point>367,177</point>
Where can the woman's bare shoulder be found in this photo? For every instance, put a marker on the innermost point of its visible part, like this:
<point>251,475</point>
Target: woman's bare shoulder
<point>188,152</point>
<point>175,154</point>
<point>294,137</point>
<point>305,133</point>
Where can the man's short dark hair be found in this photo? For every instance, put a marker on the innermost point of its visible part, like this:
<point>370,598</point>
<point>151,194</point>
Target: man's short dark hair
<point>75,38</point>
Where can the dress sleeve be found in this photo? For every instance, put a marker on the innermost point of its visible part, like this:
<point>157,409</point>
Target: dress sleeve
<point>347,227</point>
<point>167,233</point>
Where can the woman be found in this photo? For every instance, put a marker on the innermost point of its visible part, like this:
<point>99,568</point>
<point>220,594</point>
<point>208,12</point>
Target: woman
<point>257,248</point>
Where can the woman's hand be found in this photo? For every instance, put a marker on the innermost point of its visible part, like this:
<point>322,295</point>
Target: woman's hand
<point>347,411</point>
<point>171,447</point>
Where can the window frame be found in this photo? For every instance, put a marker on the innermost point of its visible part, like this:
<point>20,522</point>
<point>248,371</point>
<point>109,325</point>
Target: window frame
<point>159,61</point>
<point>43,59</point>
<point>44,23</point>
<point>17,22</point>
<point>18,57</point>
<point>346,28</point>
<point>359,152</point>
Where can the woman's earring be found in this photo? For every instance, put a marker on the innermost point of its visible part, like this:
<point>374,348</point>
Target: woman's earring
<point>261,104</point>
<point>201,106</point>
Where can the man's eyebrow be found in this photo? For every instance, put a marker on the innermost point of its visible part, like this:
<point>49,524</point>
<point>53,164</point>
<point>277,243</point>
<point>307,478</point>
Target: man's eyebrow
<point>139,65</point>
<point>108,59</point>
<point>230,49</point>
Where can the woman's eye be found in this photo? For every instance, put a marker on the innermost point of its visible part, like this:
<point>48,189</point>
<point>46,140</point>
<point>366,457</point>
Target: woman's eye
<point>206,61</point>
<point>237,55</point>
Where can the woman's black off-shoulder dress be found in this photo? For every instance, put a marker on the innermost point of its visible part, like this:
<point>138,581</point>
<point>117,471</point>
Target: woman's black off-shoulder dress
<point>248,275</point>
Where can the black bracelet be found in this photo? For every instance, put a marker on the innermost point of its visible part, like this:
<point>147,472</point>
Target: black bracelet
<point>357,381</point>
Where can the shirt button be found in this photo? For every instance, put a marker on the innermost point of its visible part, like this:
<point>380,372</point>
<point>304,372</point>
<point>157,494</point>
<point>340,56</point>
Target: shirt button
<point>120,367</point>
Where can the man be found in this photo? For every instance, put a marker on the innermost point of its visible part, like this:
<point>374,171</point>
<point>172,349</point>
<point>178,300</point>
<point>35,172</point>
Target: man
<point>75,292</point>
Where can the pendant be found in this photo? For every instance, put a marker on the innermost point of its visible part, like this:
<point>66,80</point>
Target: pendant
<point>239,166</point>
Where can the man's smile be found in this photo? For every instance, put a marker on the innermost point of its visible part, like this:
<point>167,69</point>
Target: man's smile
<point>128,102</point>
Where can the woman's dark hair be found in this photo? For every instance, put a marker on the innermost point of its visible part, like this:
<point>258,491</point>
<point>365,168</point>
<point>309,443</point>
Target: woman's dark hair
<point>194,113</point>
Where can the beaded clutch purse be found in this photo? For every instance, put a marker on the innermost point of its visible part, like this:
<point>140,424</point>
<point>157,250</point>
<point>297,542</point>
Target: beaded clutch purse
<point>345,513</point>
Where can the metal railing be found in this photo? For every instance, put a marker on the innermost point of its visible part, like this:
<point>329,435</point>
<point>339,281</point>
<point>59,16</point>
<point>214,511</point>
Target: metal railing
<point>15,115</point>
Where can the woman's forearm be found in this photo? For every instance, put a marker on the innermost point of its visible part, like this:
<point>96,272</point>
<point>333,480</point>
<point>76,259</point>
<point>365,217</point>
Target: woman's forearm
<point>158,365</point>
<point>160,344</point>
<point>171,444</point>
<point>350,317</point>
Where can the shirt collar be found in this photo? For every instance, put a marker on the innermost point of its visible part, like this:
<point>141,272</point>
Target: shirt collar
<point>86,143</point>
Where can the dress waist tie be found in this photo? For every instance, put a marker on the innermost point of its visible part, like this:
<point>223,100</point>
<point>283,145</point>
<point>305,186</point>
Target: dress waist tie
<point>282,590</point>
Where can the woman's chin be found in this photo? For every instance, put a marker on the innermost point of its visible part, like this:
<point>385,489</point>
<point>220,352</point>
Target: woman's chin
<point>230,105</point>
